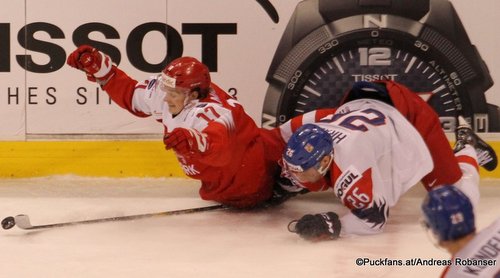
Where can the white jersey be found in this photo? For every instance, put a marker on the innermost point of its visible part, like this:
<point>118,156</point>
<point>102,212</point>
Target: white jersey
<point>372,136</point>
<point>148,99</point>
<point>480,257</point>
<point>378,156</point>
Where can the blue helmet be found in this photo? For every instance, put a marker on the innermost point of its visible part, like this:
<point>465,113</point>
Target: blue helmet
<point>449,213</point>
<point>306,147</point>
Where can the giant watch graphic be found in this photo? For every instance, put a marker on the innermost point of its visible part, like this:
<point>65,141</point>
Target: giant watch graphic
<point>329,44</point>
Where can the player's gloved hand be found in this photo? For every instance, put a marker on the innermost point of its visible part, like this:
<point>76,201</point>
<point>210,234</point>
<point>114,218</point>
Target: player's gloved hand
<point>186,141</point>
<point>97,65</point>
<point>317,227</point>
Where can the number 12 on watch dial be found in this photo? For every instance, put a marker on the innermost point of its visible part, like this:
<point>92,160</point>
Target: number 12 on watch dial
<point>319,68</point>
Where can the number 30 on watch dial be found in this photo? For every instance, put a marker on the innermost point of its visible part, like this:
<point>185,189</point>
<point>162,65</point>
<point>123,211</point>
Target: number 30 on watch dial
<point>321,55</point>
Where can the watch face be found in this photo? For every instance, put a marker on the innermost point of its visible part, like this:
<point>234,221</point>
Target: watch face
<point>332,75</point>
<point>321,77</point>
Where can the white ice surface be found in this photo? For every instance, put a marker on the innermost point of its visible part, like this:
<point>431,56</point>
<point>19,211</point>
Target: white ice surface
<point>215,244</point>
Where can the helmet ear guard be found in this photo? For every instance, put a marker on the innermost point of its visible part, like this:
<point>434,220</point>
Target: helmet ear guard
<point>323,170</point>
<point>307,146</point>
<point>449,213</point>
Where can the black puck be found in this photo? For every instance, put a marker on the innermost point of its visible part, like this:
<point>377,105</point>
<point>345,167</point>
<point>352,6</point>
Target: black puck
<point>8,222</point>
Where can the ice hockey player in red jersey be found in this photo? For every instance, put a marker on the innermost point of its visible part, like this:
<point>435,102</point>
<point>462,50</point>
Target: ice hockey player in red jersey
<point>370,154</point>
<point>215,141</point>
<point>449,215</point>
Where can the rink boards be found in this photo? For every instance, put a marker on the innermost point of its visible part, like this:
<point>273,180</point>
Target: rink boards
<point>141,158</point>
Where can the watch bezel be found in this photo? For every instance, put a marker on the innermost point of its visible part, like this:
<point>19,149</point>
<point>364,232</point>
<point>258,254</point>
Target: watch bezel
<point>360,30</point>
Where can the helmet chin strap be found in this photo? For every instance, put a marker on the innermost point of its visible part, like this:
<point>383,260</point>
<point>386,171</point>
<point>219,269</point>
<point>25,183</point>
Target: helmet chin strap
<point>187,100</point>
<point>323,170</point>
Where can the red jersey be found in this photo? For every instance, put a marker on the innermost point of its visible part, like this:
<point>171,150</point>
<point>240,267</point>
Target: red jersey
<point>233,170</point>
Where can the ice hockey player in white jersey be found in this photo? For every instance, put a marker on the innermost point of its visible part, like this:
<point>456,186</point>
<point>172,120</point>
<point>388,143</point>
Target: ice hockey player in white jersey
<point>370,155</point>
<point>449,214</point>
<point>215,141</point>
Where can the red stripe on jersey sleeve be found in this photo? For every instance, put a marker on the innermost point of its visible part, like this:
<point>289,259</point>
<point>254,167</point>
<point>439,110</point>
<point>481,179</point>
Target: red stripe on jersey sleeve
<point>469,160</point>
<point>296,123</point>
<point>120,89</point>
<point>360,194</point>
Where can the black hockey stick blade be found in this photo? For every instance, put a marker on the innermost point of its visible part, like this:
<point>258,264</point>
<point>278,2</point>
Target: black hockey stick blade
<point>22,221</point>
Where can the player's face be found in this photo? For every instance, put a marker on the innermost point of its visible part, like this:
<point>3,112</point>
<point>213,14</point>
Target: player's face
<point>310,175</point>
<point>176,99</point>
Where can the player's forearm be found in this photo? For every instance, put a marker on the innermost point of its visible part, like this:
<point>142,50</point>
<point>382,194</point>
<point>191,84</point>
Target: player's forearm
<point>120,89</point>
<point>353,225</point>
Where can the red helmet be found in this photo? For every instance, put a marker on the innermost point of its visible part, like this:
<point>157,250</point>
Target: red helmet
<point>187,72</point>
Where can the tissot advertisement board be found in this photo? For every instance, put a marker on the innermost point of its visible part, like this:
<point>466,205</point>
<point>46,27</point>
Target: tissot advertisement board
<point>241,42</point>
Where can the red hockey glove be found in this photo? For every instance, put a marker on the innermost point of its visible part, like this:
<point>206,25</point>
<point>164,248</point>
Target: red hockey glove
<point>317,226</point>
<point>185,141</point>
<point>97,65</point>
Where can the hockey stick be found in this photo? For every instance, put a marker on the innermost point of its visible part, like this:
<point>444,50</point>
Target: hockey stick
<point>23,221</point>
